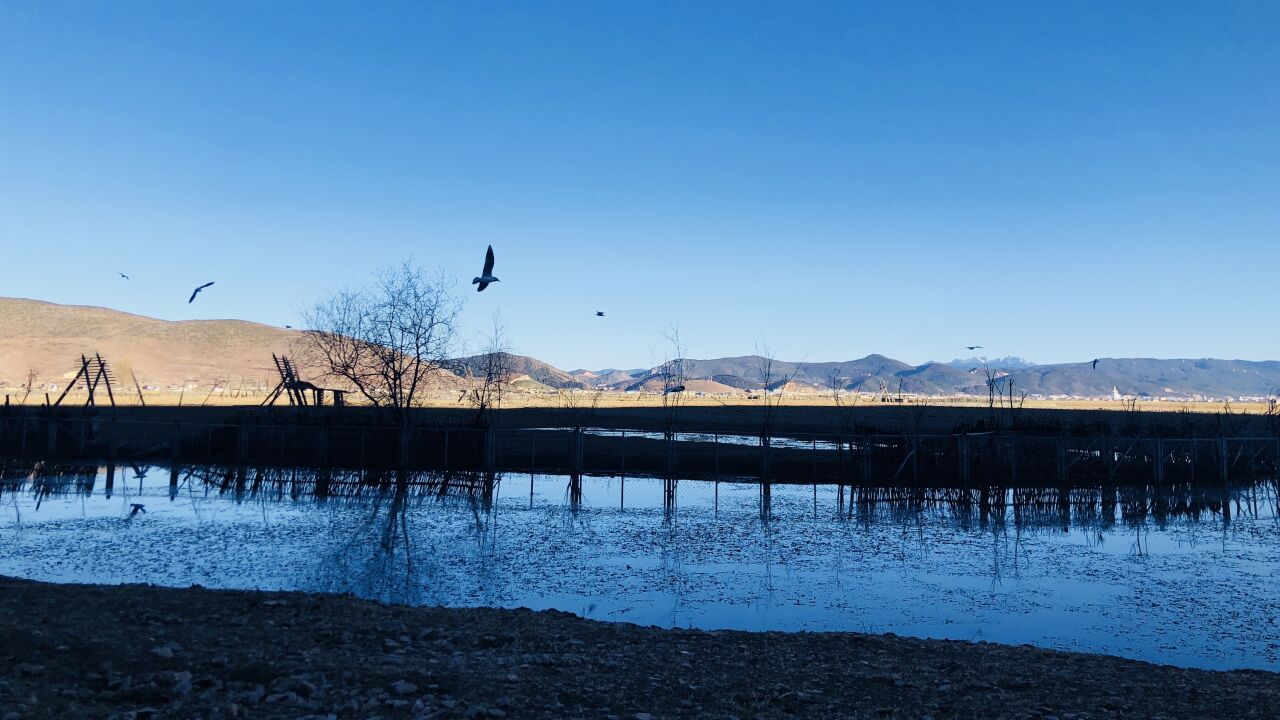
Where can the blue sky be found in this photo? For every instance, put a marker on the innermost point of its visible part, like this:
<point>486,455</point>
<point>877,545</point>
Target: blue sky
<point>1057,181</point>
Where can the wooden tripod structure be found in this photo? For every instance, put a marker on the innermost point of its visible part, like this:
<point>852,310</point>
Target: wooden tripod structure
<point>295,388</point>
<point>289,383</point>
<point>93,372</point>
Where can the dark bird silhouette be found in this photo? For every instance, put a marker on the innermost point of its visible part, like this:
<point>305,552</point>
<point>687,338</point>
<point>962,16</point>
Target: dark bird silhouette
<point>599,314</point>
<point>972,347</point>
<point>137,508</point>
<point>288,327</point>
<point>126,277</point>
<point>486,275</point>
<point>196,292</point>
<point>1095,363</point>
<point>676,389</point>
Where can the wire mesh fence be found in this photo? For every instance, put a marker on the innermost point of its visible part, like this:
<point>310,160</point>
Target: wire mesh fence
<point>961,459</point>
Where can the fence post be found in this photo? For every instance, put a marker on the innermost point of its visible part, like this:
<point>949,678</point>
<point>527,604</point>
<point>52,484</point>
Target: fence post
<point>575,459</point>
<point>962,448</point>
<point>490,449</point>
<point>1222,457</point>
<point>402,457</point>
<point>1062,461</point>
<point>446,449</point>
<point>1159,461</point>
<point>323,442</point>
<point>624,455</point>
<point>111,438</point>
<point>864,458</point>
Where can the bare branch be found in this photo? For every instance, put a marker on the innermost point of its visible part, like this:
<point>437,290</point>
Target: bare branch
<point>388,340</point>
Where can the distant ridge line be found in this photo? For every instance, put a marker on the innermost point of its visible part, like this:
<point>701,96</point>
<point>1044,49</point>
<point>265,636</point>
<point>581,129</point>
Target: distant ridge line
<point>48,336</point>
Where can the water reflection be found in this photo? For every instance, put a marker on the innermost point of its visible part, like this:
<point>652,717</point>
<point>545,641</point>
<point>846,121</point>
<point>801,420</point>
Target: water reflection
<point>1170,573</point>
<point>1027,508</point>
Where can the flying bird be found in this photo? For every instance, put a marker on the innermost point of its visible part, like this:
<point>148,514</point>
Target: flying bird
<point>126,277</point>
<point>196,292</point>
<point>973,347</point>
<point>288,327</point>
<point>1095,363</point>
<point>137,508</point>
<point>486,275</point>
<point>676,389</point>
<point>599,314</point>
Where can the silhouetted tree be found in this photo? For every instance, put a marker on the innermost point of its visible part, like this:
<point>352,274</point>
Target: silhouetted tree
<point>388,340</point>
<point>33,376</point>
<point>490,373</point>
<point>774,381</point>
<point>674,374</point>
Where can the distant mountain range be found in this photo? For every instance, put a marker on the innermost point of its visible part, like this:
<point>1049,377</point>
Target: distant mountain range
<point>1003,363</point>
<point>1134,377</point>
<point>1131,377</point>
<point>49,338</point>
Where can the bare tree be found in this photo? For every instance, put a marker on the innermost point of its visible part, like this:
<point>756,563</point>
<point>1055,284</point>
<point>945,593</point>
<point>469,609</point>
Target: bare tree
<point>995,399</point>
<point>579,404</point>
<point>674,374</point>
<point>1271,414</point>
<point>387,340</point>
<point>845,401</point>
<point>774,380</point>
<point>33,377</point>
<point>490,373</point>
<point>1002,398</point>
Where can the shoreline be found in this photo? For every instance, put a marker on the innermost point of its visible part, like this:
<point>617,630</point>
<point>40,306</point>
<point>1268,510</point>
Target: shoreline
<point>145,651</point>
<point>786,419</point>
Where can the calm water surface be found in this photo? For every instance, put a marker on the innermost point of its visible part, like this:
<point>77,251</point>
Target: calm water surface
<point>1169,578</point>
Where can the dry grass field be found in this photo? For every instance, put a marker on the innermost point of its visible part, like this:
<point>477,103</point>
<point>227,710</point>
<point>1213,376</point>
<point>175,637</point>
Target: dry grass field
<point>798,415</point>
<point>224,397</point>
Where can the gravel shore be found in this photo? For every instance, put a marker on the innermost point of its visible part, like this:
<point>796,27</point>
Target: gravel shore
<point>74,651</point>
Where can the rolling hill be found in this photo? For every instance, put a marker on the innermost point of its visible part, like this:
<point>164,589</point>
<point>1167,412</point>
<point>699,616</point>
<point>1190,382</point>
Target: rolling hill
<point>49,338</point>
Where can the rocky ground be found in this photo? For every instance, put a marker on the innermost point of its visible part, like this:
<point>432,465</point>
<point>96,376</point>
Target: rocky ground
<point>70,651</point>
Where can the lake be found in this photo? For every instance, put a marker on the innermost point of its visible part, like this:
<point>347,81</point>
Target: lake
<point>1172,575</point>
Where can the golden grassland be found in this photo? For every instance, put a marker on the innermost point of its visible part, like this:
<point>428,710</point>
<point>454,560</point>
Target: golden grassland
<point>128,397</point>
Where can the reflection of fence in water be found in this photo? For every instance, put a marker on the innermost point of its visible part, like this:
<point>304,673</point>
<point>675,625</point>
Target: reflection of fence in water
<point>1063,508</point>
<point>50,479</point>
<point>1099,506</point>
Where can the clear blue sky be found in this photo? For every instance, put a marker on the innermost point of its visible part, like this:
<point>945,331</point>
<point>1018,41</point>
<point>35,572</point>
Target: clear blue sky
<point>1058,181</point>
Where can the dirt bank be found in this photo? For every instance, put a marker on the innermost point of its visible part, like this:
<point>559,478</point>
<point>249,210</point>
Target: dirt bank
<point>136,651</point>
